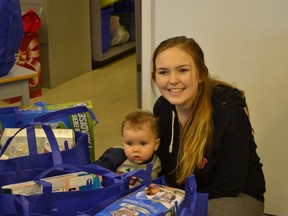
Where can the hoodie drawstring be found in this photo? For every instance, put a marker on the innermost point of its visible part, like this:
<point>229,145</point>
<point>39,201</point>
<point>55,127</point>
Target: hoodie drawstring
<point>172,133</point>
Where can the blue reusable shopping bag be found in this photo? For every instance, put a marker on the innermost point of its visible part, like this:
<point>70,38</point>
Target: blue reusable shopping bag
<point>145,175</point>
<point>194,204</point>
<point>63,203</point>
<point>25,168</point>
<point>74,115</point>
<point>72,202</point>
<point>11,33</point>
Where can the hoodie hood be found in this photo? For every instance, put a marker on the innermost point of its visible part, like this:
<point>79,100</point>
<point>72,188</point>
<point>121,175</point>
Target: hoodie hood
<point>224,98</point>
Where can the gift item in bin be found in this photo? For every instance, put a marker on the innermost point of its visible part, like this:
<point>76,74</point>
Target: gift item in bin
<point>19,145</point>
<point>118,33</point>
<point>152,200</point>
<point>29,53</point>
<point>127,20</point>
<point>16,117</point>
<point>78,181</point>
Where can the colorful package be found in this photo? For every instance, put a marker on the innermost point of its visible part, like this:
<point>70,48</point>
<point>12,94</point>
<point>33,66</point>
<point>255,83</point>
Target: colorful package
<point>152,200</point>
<point>78,181</point>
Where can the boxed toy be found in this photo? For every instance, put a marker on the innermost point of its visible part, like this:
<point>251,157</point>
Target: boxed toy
<point>19,144</point>
<point>17,117</point>
<point>152,200</point>
<point>68,182</point>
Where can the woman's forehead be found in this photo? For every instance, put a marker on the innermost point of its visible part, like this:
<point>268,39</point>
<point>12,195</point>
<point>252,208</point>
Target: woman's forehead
<point>173,56</point>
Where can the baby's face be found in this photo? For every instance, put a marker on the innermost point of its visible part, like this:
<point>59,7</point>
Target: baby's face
<point>139,143</point>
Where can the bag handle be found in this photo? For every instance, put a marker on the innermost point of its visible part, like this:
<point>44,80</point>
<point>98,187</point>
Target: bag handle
<point>22,205</point>
<point>145,175</point>
<point>31,137</point>
<point>109,176</point>
<point>188,205</point>
<point>160,180</point>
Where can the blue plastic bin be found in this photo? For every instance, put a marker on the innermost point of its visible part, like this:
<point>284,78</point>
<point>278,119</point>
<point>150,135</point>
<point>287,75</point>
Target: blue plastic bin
<point>105,22</point>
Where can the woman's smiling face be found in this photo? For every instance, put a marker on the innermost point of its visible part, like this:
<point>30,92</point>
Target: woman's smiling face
<point>176,77</point>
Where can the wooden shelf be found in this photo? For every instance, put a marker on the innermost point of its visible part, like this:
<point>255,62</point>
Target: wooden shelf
<point>100,58</point>
<point>113,54</point>
<point>116,50</point>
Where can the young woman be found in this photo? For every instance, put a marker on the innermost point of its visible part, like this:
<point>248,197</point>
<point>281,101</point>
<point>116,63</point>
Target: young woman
<point>205,131</point>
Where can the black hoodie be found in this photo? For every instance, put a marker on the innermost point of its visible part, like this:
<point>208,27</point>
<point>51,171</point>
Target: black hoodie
<point>232,166</point>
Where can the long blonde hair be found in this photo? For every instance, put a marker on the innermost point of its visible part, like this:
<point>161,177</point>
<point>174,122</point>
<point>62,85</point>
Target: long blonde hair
<point>196,135</point>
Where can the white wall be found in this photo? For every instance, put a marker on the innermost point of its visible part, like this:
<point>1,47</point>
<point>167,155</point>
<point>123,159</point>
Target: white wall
<point>147,50</point>
<point>245,42</point>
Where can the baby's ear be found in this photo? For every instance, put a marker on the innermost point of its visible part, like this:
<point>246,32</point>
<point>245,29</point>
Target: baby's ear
<point>157,143</point>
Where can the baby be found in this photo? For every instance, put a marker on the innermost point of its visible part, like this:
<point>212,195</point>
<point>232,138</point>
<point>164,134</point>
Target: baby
<point>140,135</point>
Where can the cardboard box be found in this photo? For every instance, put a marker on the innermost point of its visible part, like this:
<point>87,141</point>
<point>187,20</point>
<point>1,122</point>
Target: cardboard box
<point>152,200</point>
<point>19,144</point>
<point>69,182</point>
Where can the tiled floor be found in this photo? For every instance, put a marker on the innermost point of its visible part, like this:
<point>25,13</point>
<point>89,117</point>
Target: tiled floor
<point>112,90</point>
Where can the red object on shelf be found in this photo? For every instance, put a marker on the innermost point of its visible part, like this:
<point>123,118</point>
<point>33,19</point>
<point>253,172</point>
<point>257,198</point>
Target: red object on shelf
<point>29,53</point>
